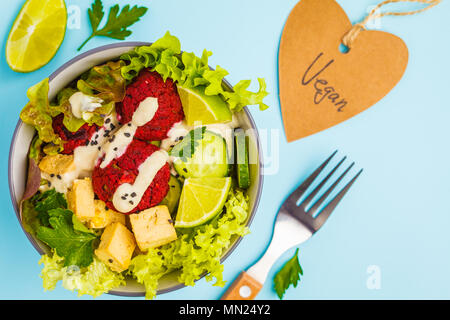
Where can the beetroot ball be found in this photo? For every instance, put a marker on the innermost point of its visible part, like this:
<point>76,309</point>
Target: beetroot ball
<point>125,170</point>
<point>170,110</point>
<point>73,140</point>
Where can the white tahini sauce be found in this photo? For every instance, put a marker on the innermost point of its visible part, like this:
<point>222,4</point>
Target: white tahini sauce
<point>61,182</point>
<point>127,196</point>
<point>81,103</point>
<point>119,142</point>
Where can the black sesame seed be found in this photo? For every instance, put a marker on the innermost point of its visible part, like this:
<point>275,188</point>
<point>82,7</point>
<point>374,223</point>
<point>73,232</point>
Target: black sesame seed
<point>107,121</point>
<point>110,260</point>
<point>59,177</point>
<point>126,195</point>
<point>52,175</point>
<point>124,198</point>
<point>99,148</point>
<point>49,184</point>
<point>115,149</point>
<point>112,126</point>
<point>86,143</point>
<point>170,221</point>
<point>131,202</point>
<point>96,136</point>
<point>159,253</point>
<point>185,170</point>
<point>129,124</point>
<point>112,138</point>
<point>92,143</point>
<point>133,194</point>
<point>106,208</point>
<point>126,134</point>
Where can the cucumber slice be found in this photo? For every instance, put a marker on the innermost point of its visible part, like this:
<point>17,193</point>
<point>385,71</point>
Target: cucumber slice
<point>173,196</point>
<point>201,154</point>
<point>242,167</point>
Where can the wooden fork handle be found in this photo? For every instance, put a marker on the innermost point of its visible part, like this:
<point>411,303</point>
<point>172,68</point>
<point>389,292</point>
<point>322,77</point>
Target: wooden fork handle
<point>243,288</point>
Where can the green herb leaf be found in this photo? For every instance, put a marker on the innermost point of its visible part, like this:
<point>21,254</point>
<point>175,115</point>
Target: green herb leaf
<point>288,275</point>
<point>75,247</point>
<point>35,210</point>
<point>116,26</point>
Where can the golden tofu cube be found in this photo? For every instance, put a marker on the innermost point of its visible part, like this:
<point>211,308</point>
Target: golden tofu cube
<point>81,199</point>
<point>153,227</point>
<point>116,247</point>
<point>104,216</point>
<point>57,164</point>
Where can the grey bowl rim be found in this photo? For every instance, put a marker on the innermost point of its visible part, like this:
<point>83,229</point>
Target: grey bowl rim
<point>20,124</point>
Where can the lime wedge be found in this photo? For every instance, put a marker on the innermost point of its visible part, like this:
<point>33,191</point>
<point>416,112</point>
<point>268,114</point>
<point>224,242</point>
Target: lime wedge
<point>36,34</point>
<point>199,107</point>
<point>201,200</point>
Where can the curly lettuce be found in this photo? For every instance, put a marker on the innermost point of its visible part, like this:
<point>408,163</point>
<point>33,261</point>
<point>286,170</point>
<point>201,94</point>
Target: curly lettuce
<point>188,70</point>
<point>197,252</point>
<point>38,114</point>
<point>93,280</point>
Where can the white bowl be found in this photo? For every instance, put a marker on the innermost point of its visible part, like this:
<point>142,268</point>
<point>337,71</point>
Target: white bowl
<point>23,135</point>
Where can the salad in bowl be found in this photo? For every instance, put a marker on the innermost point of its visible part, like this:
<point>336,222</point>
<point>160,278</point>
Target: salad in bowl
<point>143,170</point>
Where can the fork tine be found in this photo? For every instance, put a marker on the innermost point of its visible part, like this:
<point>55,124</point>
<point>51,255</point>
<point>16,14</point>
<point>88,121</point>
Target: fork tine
<point>324,215</point>
<point>319,202</point>
<point>293,198</point>
<point>311,196</point>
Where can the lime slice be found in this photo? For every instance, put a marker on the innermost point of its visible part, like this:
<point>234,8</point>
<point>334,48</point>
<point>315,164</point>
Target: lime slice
<point>201,200</point>
<point>201,109</point>
<point>36,34</point>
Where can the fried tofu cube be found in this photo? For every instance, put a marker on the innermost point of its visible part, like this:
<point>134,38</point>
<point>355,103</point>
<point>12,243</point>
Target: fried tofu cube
<point>153,227</point>
<point>104,216</point>
<point>57,164</point>
<point>116,247</point>
<point>80,199</point>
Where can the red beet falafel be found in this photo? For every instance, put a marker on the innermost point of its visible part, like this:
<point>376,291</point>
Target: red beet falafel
<point>73,140</point>
<point>170,110</point>
<point>125,170</point>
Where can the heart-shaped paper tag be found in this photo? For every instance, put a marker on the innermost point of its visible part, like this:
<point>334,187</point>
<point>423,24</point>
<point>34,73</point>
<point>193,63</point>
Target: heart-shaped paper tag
<point>319,85</point>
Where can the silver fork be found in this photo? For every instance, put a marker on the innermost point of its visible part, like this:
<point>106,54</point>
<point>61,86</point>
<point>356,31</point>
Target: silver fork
<point>294,225</point>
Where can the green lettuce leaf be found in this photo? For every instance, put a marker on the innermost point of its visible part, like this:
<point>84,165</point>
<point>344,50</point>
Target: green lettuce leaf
<point>165,57</point>
<point>37,113</point>
<point>241,97</point>
<point>94,280</point>
<point>104,82</point>
<point>197,252</point>
<point>35,149</point>
<point>288,275</point>
<point>74,246</point>
<point>73,123</point>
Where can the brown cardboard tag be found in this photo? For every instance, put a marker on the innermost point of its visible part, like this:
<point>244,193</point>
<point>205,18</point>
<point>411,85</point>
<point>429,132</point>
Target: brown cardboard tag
<point>319,85</point>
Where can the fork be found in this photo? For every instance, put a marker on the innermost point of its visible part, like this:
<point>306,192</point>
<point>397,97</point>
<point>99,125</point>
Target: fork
<point>294,225</point>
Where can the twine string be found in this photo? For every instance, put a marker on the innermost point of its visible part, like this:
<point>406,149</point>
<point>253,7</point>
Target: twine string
<point>353,33</point>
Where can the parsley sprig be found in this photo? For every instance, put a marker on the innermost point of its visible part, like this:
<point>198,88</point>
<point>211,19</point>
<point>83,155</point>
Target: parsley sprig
<point>288,275</point>
<point>116,26</point>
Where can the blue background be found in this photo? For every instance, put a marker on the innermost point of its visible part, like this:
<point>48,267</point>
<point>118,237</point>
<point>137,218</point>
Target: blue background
<point>397,216</point>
